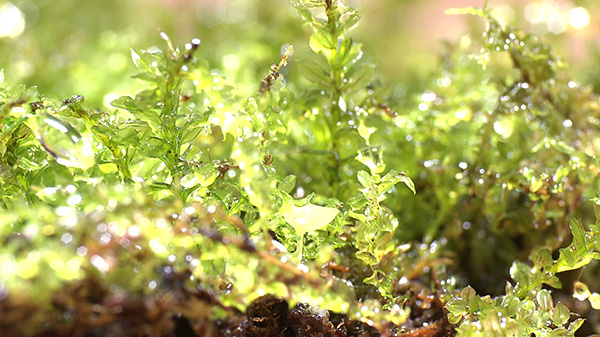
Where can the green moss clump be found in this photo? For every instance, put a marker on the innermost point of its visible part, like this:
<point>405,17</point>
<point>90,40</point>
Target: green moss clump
<point>204,191</point>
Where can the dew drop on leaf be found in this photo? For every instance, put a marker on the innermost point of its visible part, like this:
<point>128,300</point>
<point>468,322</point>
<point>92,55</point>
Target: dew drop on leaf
<point>62,141</point>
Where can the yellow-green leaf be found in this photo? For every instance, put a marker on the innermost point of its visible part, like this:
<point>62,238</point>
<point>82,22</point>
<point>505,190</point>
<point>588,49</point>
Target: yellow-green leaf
<point>309,217</point>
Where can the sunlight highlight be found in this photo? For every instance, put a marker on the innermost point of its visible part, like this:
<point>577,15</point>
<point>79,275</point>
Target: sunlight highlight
<point>12,21</point>
<point>579,18</point>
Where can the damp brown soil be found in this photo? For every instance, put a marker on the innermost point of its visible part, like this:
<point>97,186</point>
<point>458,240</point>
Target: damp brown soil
<point>90,309</point>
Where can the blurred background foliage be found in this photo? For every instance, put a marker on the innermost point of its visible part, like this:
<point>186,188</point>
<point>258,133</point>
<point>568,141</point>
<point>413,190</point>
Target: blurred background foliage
<point>82,47</point>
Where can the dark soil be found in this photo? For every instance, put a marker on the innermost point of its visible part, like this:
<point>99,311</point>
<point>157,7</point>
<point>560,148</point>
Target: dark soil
<point>89,309</point>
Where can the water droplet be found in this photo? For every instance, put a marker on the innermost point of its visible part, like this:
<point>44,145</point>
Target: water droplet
<point>62,141</point>
<point>100,263</point>
<point>428,96</point>
<point>82,250</point>
<point>105,238</point>
<point>66,238</point>
<point>444,82</point>
<point>133,231</point>
<point>167,270</point>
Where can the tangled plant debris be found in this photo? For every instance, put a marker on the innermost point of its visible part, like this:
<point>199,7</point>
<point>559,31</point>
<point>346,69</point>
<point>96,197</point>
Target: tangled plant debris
<point>202,206</point>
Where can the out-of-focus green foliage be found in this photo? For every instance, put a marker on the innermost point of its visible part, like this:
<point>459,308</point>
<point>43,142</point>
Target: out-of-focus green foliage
<point>513,141</point>
<point>256,184</point>
<point>526,308</point>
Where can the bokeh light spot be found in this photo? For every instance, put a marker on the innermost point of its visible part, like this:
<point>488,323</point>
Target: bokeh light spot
<point>12,21</point>
<point>579,18</point>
